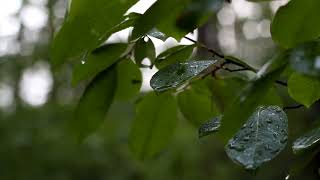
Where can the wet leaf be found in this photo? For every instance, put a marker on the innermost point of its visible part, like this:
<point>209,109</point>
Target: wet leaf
<point>97,61</point>
<point>129,80</point>
<point>179,53</point>
<point>307,141</point>
<point>176,74</point>
<point>304,89</point>
<point>243,105</point>
<point>196,103</point>
<point>94,104</point>
<point>296,22</point>
<point>210,127</point>
<point>154,124</point>
<point>86,25</point>
<point>305,58</point>
<point>157,34</point>
<point>144,49</point>
<point>261,138</point>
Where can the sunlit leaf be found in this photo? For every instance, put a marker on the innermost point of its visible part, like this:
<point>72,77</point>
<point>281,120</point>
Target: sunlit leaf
<point>261,138</point>
<point>154,124</point>
<point>177,74</point>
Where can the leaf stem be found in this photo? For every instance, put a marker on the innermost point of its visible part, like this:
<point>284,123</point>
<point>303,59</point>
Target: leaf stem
<point>293,107</point>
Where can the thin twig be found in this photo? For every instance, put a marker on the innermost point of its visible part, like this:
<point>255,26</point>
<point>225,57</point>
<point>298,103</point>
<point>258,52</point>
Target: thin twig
<point>281,83</point>
<point>293,107</point>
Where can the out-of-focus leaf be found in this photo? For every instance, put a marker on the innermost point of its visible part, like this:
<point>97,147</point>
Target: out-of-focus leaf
<point>305,58</point>
<point>94,104</point>
<point>86,25</point>
<point>129,80</point>
<point>143,50</point>
<point>307,141</point>
<point>261,138</point>
<point>161,15</point>
<point>196,103</point>
<point>177,74</point>
<point>180,53</point>
<point>296,22</point>
<point>97,61</point>
<point>197,13</point>
<point>154,124</point>
<point>244,105</point>
<point>210,127</point>
<point>239,63</point>
<point>304,89</point>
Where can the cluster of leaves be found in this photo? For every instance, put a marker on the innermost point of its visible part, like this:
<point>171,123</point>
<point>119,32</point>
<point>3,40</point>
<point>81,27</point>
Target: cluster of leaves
<point>249,116</point>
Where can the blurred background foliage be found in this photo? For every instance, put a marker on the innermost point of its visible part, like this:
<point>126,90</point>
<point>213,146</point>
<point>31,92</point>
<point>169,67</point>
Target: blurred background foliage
<point>36,104</point>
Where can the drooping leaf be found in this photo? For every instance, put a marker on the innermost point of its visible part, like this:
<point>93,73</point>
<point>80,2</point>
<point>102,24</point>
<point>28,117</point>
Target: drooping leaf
<point>244,104</point>
<point>176,74</point>
<point>86,25</point>
<point>154,124</point>
<point>180,53</point>
<point>196,103</point>
<point>210,127</point>
<point>129,80</point>
<point>307,141</point>
<point>144,49</point>
<point>261,138</point>
<point>97,61</point>
<point>94,104</point>
<point>304,89</point>
<point>161,15</point>
<point>296,22</point>
<point>305,58</point>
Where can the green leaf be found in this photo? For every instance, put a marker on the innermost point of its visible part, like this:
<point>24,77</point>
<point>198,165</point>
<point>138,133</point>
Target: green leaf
<point>180,53</point>
<point>197,13</point>
<point>97,61</point>
<point>154,125</point>
<point>157,34</point>
<point>143,50</point>
<point>94,104</point>
<point>307,141</point>
<point>304,89</point>
<point>196,103</point>
<point>244,104</point>
<point>224,90</point>
<point>305,58</point>
<point>129,80</point>
<point>296,22</point>
<point>161,15</point>
<point>176,74</point>
<point>86,26</point>
<point>261,138</point>
<point>210,127</point>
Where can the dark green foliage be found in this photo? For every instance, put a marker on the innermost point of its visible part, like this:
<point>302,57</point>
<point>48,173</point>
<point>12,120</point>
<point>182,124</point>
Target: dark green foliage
<point>207,98</point>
